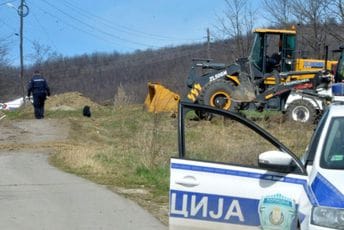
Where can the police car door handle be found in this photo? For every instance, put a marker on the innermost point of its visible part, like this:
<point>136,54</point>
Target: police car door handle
<point>188,181</point>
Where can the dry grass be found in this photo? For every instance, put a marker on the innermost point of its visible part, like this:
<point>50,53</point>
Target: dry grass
<point>295,136</point>
<point>82,158</point>
<point>121,99</point>
<point>227,141</point>
<point>155,141</point>
<point>130,148</point>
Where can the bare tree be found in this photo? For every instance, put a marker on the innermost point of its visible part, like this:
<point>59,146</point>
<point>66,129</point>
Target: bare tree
<point>335,20</point>
<point>40,53</point>
<point>336,7</point>
<point>340,5</point>
<point>3,56</point>
<point>312,13</point>
<point>279,12</point>
<point>236,24</point>
<point>3,53</point>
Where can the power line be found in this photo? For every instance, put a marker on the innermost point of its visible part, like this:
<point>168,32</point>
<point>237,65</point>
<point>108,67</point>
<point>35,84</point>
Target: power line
<point>97,29</point>
<point>44,30</point>
<point>5,3</point>
<point>86,28</point>
<point>17,35</point>
<point>122,28</point>
<point>6,37</point>
<point>77,28</point>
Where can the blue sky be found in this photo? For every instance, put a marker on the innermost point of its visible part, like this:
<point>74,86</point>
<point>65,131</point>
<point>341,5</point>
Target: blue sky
<point>76,27</point>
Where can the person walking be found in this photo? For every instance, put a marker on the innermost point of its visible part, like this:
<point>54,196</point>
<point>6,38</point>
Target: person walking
<point>38,86</point>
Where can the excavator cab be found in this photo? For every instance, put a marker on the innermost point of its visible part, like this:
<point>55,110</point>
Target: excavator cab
<point>272,50</point>
<point>275,59</point>
<point>339,74</point>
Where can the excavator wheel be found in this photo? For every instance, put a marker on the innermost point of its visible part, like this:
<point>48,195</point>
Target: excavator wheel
<point>217,94</point>
<point>302,111</point>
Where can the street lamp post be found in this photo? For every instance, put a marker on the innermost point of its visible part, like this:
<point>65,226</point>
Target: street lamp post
<point>23,11</point>
<point>20,12</point>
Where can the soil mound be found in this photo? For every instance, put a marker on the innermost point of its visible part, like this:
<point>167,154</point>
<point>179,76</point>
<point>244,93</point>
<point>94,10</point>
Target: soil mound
<point>69,101</point>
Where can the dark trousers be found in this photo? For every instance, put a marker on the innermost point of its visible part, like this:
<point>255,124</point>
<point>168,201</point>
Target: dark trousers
<point>38,104</point>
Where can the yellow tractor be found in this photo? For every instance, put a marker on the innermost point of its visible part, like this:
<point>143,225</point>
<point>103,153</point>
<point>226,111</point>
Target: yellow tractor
<point>264,79</point>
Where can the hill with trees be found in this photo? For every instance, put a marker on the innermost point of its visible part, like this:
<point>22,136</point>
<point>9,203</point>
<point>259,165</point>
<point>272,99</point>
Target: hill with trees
<point>99,75</point>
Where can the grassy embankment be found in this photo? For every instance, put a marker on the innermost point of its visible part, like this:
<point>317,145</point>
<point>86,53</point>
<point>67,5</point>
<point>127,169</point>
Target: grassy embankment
<point>129,149</point>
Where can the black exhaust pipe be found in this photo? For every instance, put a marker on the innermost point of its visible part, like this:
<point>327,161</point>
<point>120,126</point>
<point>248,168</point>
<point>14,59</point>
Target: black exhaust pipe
<point>326,57</point>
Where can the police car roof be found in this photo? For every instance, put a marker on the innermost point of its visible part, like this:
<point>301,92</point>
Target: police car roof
<point>336,110</point>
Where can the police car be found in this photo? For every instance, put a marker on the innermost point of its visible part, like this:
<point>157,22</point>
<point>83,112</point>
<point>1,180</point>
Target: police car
<point>283,192</point>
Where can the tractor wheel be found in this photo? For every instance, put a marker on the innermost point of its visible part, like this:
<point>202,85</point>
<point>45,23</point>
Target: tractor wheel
<point>302,111</point>
<point>217,94</point>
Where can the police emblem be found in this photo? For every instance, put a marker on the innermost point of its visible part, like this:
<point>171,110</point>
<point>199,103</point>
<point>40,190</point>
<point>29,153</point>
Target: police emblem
<point>277,212</point>
<point>276,217</point>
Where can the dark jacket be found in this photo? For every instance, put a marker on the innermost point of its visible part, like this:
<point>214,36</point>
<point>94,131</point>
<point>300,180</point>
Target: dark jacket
<point>38,85</point>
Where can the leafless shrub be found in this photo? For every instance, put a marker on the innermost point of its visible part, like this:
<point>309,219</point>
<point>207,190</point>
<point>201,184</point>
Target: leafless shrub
<point>121,98</point>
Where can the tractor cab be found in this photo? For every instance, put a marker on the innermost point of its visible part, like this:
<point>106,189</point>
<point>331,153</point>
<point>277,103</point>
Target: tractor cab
<point>339,74</point>
<point>272,50</point>
<point>275,59</point>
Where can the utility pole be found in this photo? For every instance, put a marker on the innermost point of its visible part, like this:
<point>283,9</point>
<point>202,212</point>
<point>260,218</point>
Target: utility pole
<point>20,12</point>
<point>23,11</point>
<point>208,43</point>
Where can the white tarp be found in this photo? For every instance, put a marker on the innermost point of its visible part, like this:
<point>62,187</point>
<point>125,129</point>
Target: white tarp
<point>15,104</point>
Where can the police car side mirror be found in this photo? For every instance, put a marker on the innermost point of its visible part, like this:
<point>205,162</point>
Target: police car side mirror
<point>276,161</point>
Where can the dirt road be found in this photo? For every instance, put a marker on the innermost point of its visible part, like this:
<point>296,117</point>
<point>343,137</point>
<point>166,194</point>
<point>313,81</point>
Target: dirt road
<point>35,195</point>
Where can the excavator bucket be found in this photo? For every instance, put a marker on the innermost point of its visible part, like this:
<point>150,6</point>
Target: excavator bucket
<point>161,99</point>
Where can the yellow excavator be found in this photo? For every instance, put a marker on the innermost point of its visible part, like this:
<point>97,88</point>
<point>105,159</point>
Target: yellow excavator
<point>264,79</point>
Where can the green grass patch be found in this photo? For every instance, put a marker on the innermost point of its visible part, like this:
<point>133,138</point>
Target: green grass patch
<point>253,114</point>
<point>156,178</point>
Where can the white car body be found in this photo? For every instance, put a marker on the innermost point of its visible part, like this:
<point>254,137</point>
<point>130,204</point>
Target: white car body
<point>14,104</point>
<point>316,102</point>
<point>209,195</point>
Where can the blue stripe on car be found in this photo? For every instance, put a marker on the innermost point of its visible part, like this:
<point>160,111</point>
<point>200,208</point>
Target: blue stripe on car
<point>263,176</point>
<point>239,173</point>
<point>326,193</point>
<point>214,208</point>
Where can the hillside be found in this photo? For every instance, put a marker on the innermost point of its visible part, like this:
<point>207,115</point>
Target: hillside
<point>99,75</point>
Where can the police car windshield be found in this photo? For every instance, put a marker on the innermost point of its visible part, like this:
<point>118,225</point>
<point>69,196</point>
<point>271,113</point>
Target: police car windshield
<point>333,150</point>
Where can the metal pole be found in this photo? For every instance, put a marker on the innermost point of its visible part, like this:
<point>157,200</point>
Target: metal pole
<point>208,43</point>
<point>326,57</point>
<point>181,131</point>
<point>21,49</point>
